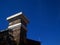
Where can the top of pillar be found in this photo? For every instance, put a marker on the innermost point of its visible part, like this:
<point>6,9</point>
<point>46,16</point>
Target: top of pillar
<point>17,14</point>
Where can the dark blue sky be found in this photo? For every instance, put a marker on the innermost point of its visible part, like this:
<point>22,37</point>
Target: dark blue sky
<point>44,17</point>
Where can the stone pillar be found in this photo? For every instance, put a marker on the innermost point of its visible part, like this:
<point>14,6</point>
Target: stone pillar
<point>18,23</point>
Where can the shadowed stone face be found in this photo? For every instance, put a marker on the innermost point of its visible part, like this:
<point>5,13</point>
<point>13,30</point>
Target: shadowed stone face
<point>14,22</point>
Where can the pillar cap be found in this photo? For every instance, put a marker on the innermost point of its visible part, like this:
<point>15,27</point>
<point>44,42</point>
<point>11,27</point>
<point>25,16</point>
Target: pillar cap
<point>18,14</point>
<point>13,15</point>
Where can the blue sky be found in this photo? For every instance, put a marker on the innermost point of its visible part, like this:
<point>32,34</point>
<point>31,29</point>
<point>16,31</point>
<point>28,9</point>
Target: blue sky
<point>44,17</point>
